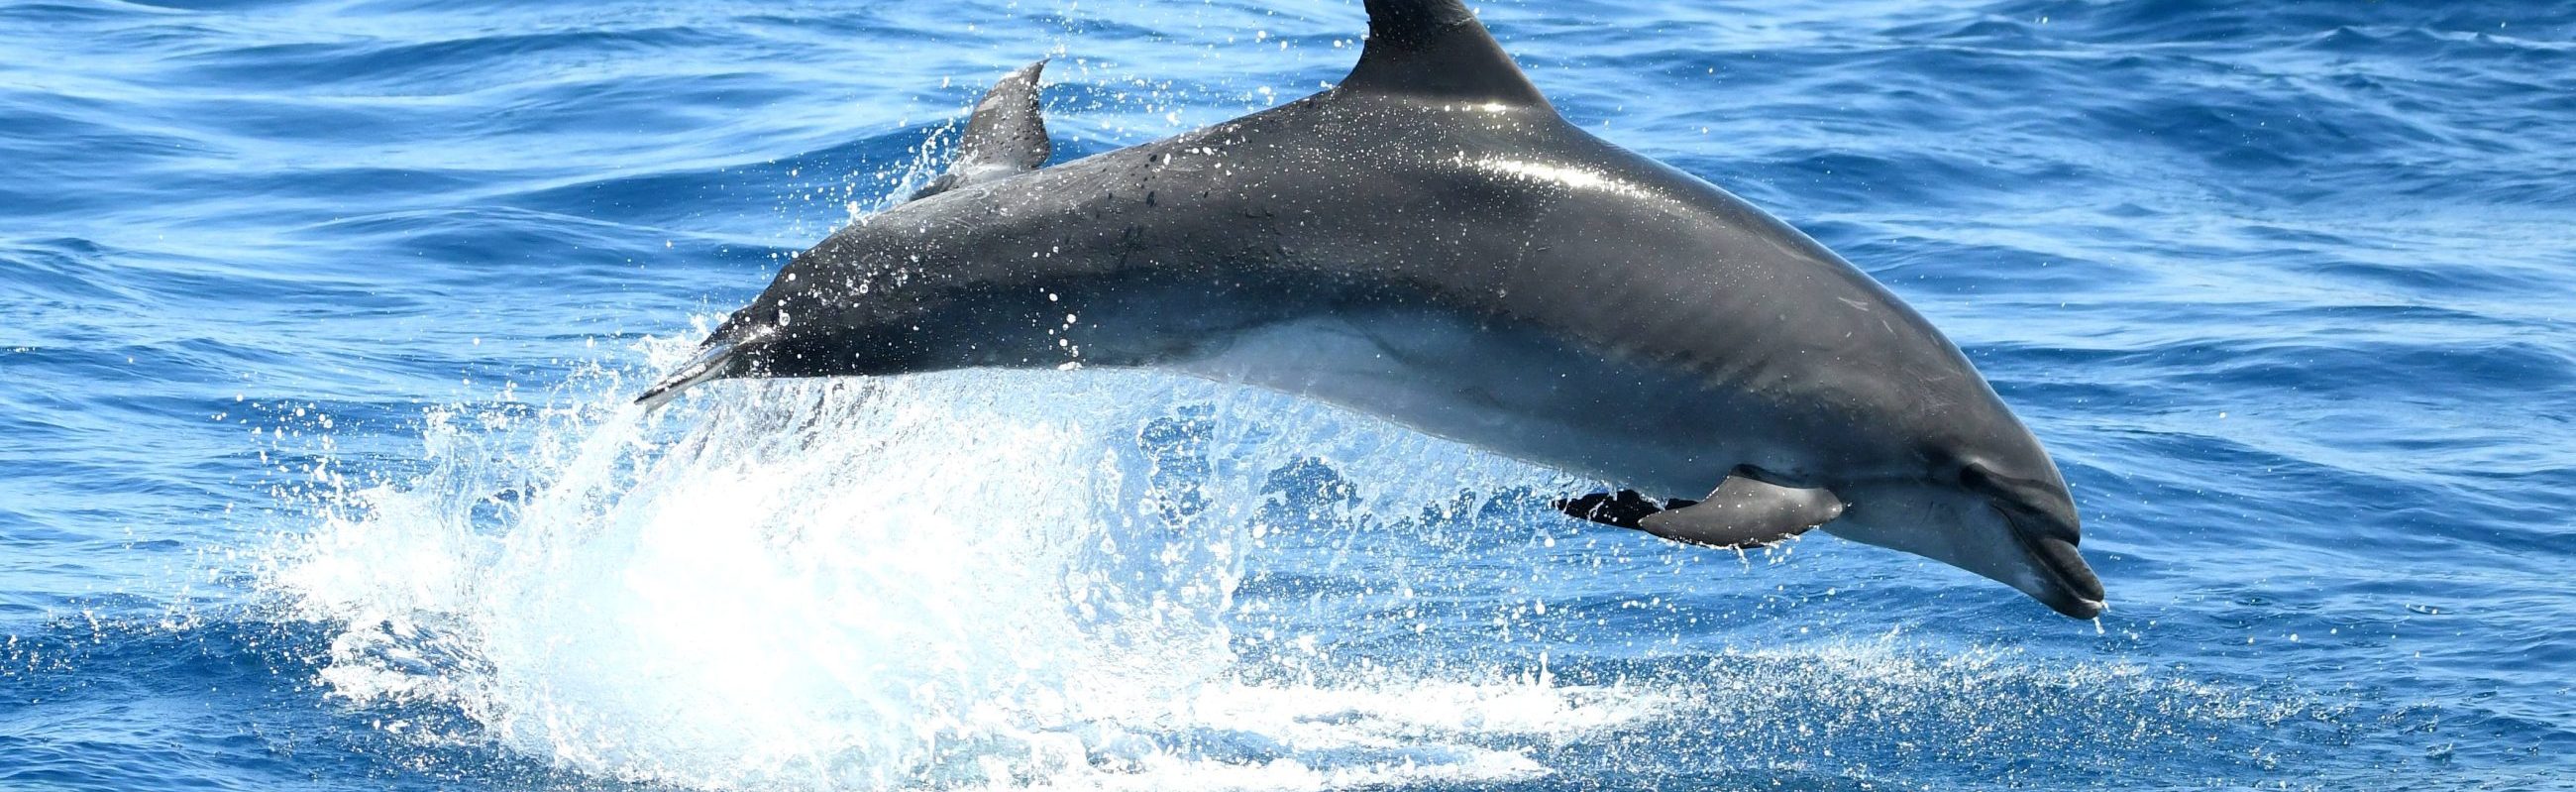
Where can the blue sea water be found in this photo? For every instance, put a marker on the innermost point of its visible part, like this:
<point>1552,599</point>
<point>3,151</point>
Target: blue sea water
<point>318,321</point>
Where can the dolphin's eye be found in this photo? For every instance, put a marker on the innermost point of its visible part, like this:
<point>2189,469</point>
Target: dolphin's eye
<point>2021,500</point>
<point>1974,477</point>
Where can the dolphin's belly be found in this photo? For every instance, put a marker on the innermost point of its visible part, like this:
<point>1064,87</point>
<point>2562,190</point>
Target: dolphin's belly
<point>1507,390</point>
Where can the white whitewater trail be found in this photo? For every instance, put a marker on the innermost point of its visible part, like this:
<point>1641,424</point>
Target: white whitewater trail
<point>970,580</point>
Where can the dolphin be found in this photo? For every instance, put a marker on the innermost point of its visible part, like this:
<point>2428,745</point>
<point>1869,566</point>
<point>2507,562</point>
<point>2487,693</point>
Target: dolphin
<point>1430,243</point>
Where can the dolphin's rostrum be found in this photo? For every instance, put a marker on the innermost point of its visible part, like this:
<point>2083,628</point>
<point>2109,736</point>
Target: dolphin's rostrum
<point>1429,242</point>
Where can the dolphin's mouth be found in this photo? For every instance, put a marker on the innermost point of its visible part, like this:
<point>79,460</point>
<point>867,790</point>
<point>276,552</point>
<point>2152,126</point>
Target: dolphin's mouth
<point>712,362</point>
<point>2073,589</point>
<point>2070,584</point>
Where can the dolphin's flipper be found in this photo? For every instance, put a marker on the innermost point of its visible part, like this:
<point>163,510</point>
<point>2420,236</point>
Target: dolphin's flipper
<point>1005,137</point>
<point>1743,512</point>
<point>1623,508</point>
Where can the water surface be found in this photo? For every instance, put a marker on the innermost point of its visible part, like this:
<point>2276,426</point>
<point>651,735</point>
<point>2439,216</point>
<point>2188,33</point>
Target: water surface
<point>320,317</point>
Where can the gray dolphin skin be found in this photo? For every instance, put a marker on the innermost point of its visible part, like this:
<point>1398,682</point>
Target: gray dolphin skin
<point>1430,243</point>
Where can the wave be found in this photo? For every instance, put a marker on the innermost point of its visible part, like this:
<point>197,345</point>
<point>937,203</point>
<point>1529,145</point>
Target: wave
<point>959,580</point>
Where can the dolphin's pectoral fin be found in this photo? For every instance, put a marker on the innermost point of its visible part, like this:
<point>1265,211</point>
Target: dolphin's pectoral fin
<point>1623,508</point>
<point>1005,137</point>
<point>1745,512</point>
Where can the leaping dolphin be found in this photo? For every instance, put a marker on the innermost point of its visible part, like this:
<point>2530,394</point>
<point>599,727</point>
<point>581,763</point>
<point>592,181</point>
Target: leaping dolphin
<point>1430,243</point>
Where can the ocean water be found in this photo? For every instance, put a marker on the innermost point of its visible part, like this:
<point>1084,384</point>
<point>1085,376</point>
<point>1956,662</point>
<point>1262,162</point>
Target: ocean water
<point>318,321</point>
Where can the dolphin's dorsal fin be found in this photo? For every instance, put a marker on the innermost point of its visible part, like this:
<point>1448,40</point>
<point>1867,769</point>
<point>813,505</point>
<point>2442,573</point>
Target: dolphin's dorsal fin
<point>1004,137</point>
<point>1437,49</point>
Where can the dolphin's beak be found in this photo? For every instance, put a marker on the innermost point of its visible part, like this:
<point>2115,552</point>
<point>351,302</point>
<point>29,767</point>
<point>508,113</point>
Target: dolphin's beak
<point>2071,587</point>
<point>716,360</point>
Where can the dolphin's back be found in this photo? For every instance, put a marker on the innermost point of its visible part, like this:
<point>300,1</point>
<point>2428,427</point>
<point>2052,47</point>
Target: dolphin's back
<point>1409,188</point>
<point>1500,217</point>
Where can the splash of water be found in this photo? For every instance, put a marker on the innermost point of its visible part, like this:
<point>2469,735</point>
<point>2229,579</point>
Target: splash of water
<point>1099,580</point>
<point>958,580</point>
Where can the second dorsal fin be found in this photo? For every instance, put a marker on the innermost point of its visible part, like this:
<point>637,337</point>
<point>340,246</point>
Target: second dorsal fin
<point>1437,49</point>
<point>1004,137</point>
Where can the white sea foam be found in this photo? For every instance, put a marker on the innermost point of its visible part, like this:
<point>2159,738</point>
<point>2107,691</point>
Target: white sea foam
<point>1028,581</point>
<point>957,581</point>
